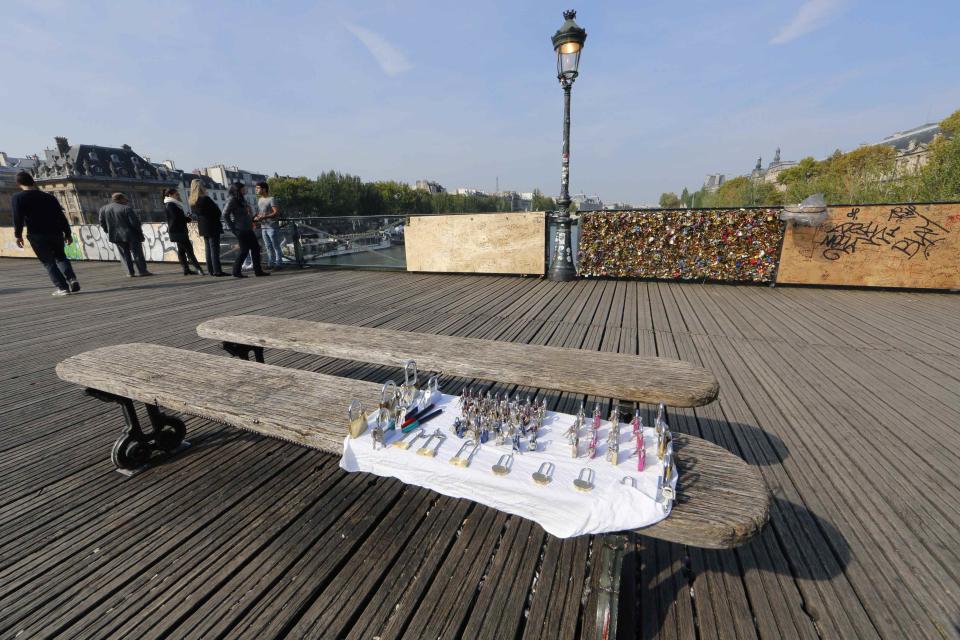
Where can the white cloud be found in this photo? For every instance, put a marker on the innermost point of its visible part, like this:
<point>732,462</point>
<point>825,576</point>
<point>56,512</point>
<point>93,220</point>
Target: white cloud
<point>812,15</point>
<point>391,60</point>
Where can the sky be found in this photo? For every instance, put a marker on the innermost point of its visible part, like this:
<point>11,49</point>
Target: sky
<point>465,93</point>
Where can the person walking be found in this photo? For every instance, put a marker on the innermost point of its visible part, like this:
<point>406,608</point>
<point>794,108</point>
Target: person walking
<point>47,231</point>
<point>209,225</point>
<point>125,230</point>
<point>268,216</point>
<point>240,220</point>
<point>178,232</point>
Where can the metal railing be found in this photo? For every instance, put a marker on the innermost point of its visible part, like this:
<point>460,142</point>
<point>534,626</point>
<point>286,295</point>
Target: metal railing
<point>355,242</point>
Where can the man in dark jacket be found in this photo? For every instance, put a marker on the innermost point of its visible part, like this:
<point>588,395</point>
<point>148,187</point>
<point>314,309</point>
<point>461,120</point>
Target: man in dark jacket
<point>124,229</point>
<point>240,221</point>
<point>47,231</point>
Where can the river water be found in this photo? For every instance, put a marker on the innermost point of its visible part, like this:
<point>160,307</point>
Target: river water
<point>393,257</point>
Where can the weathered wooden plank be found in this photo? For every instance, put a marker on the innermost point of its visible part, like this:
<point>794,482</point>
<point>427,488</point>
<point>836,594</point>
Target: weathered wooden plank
<point>862,340</point>
<point>721,501</point>
<point>629,378</point>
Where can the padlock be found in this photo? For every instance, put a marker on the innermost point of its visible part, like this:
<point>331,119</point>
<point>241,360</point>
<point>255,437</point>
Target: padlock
<point>357,419</point>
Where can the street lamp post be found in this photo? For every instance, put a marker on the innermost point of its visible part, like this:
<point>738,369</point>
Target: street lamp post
<point>567,42</point>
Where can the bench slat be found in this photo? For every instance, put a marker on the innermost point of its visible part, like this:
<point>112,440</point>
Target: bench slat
<point>610,375</point>
<point>722,501</point>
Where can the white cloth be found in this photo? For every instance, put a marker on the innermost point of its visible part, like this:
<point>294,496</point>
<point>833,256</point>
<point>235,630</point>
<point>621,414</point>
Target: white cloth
<point>558,507</point>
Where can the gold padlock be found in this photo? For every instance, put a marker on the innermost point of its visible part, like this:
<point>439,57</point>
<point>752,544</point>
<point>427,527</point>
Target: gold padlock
<point>389,409</point>
<point>663,443</point>
<point>357,419</point>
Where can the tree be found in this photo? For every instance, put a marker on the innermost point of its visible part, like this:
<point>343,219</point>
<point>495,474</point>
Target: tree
<point>744,191</point>
<point>669,200</point>
<point>296,195</point>
<point>939,178</point>
<point>542,202</point>
<point>686,198</point>
<point>951,125</point>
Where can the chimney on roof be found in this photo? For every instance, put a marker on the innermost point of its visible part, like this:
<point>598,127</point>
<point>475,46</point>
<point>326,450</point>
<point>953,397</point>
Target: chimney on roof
<point>62,145</point>
<point>126,147</point>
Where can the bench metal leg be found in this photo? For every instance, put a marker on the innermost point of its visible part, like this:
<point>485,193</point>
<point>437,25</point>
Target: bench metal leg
<point>133,448</point>
<point>243,351</point>
<point>611,554</point>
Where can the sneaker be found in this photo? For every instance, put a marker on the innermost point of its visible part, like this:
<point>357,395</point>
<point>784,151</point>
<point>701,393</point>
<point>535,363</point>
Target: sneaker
<point>74,286</point>
<point>239,275</point>
<point>146,273</point>
<point>59,293</point>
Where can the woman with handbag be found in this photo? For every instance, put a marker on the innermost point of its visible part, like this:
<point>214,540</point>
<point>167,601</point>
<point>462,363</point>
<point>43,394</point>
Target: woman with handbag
<point>210,226</point>
<point>177,230</point>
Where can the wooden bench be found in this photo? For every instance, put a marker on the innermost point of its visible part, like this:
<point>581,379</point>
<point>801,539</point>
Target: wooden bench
<point>609,375</point>
<point>721,501</point>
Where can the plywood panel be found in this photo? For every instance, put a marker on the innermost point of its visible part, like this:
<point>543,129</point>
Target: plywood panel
<point>9,248</point>
<point>912,245</point>
<point>477,243</point>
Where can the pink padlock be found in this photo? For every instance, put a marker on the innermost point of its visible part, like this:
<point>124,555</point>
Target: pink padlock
<point>641,452</point>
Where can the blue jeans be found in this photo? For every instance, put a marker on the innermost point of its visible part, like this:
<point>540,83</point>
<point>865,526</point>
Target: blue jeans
<point>212,246</point>
<point>49,250</point>
<point>271,243</point>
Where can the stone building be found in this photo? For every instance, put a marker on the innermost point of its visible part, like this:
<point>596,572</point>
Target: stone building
<point>429,186</point>
<point>772,171</point>
<point>9,166</point>
<point>216,190</point>
<point>713,181</point>
<point>17,164</point>
<point>912,147</point>
<point>228,175</point>
<point>584,202</point>
<point>83,176</point>
<point>7,188</point>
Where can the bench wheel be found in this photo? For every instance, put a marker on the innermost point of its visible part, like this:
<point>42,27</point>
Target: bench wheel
<point>129,453</point>
<point>171,434</point>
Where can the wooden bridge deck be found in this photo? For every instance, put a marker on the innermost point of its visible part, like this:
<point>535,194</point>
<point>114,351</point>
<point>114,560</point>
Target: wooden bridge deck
<point>847,401</point>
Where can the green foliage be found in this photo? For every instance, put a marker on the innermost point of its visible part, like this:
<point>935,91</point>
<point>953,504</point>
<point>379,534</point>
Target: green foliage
<point>340,194</point>
<point>670,200</point>
<point>331,194</point>
<point>951,124</point>
<point>864,175</point>
<point>542,202</point>
<point>743,191</point>
<point>939,179</point>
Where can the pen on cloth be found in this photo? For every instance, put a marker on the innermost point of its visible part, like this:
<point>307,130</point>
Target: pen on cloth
<point>413,414</point>
<point>420,421</point>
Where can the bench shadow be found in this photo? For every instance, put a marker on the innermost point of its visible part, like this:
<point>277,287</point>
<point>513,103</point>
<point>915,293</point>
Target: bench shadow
<point>756,446</point>
<point>806,547</point>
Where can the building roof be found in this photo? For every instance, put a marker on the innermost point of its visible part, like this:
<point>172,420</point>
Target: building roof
<point>924,134</point>
<point>93,162</point>
<point>17,164</point>
<point>186,178</point>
